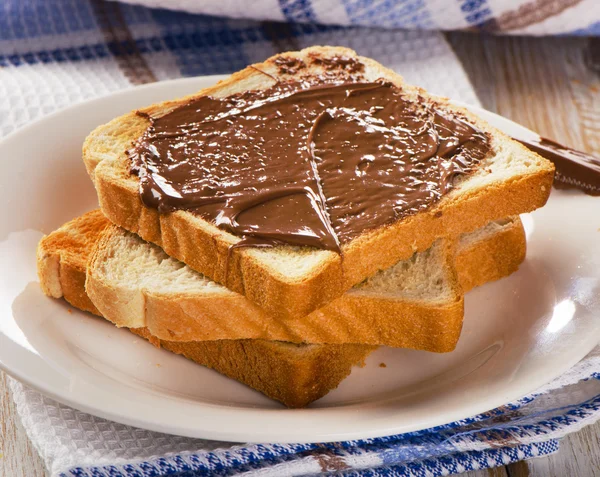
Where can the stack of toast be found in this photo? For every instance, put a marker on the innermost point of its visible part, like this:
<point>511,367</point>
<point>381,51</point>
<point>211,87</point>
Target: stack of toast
<point>287,318</point>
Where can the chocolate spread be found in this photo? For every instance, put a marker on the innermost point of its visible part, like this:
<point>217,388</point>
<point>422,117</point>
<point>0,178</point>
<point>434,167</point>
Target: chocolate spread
<point>348,64</point>
<point>307,163</point>
<point>289,65</point>
<point>574,169</point>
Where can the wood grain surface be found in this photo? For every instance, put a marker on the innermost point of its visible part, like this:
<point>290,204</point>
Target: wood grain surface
<point>551,85</point>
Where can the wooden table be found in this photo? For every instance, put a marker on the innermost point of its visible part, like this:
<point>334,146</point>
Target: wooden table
<point>551,85</point>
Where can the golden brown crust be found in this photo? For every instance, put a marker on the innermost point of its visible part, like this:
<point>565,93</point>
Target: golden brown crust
<point>293,378</point>
<point>205,248</point>
<point>493,258</point>
<point>62,258</point>
<point>374,321</point>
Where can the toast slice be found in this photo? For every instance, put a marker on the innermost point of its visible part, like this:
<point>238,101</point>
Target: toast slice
<point>292,374</point>
<point>414,304</point>
<point>292,281</point>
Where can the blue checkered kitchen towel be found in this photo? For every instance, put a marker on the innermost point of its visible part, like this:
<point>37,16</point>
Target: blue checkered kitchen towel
<point>57,52</point>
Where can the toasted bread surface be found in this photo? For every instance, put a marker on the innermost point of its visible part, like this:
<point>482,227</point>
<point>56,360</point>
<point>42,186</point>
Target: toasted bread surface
<point>290,281</point>
<point>62,259</point>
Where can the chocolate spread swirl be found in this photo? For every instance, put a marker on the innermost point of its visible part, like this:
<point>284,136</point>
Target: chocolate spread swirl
<point>304,163</point>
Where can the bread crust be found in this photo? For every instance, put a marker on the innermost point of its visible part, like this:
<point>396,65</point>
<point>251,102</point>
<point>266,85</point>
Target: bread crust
<point>62,258</point>
<point>488,260</point>
<point>205,248</point>
<point>293,378</point>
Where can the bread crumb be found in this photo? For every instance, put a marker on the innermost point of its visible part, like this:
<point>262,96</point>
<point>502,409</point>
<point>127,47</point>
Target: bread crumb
<point>158,365</point>
<point>382,365</point>
<point>69,311</point>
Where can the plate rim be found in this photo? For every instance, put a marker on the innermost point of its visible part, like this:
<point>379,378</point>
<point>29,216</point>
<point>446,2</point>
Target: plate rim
<point>259,434</point>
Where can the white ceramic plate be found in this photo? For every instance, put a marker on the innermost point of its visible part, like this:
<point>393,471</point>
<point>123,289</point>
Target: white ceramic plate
<point>519,333</point>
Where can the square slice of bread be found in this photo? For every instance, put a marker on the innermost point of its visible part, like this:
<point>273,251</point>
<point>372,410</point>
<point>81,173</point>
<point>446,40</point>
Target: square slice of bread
<point>290,373</point>
<point>292,281</point>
